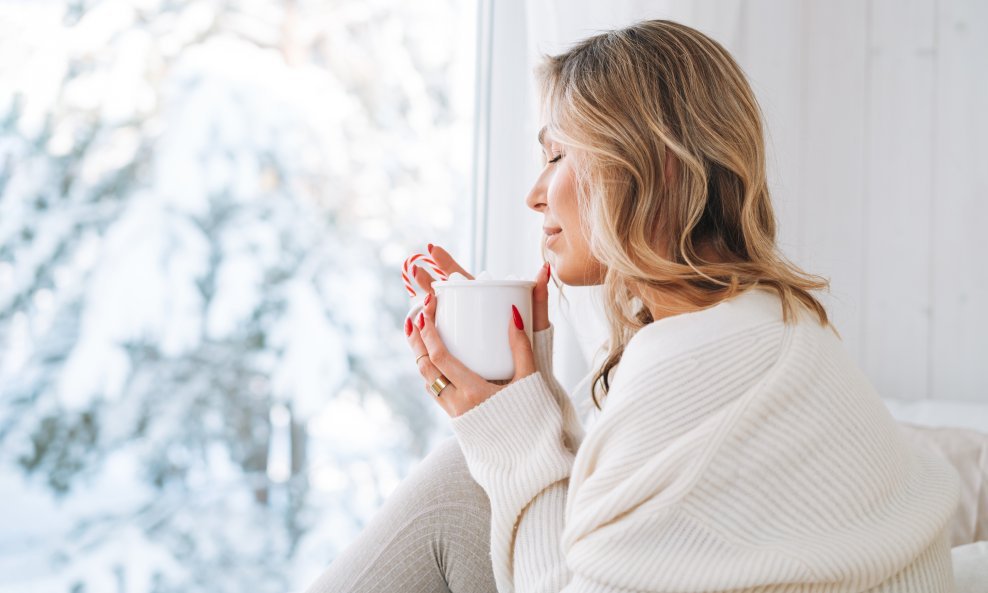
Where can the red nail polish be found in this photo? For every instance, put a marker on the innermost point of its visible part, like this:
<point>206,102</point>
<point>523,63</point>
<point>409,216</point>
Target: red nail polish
<point>430,248</point>
<point>518,322</point>
<point>428,298</point>
<point>421,320</point>
<point>408,326</point>
<point>548,271</point>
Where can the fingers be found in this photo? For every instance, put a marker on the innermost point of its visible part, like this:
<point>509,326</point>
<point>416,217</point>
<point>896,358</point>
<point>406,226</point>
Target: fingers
<point>427,369</point>
<point>521,347</point>
<point>540,299</point>
<point>456,371</point>
<point>446,262</point>
<point>423,279</point>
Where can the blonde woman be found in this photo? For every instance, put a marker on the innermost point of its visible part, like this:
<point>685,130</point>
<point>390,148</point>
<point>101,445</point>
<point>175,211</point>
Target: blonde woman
<point>736,447</point>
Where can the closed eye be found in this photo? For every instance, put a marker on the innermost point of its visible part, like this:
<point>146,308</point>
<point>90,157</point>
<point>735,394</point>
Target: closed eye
<point>556,158</point>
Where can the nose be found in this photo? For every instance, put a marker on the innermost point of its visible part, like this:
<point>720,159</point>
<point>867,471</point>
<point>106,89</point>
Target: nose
<point>536,196</point>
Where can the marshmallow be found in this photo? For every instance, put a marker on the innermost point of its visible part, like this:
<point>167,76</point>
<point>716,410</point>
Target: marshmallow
<point>484,275</point>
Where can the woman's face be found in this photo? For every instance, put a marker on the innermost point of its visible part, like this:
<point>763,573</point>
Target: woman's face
<point>554,196</point>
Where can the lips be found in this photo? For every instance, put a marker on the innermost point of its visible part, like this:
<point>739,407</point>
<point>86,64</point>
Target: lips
<point>551,231</point>
<point>551,239</point>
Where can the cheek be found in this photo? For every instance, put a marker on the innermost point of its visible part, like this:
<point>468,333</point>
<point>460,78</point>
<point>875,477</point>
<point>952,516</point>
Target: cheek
<point>561,197</point>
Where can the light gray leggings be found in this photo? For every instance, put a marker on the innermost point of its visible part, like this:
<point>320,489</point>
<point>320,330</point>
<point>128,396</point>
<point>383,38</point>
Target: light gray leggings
<point>432,535</point>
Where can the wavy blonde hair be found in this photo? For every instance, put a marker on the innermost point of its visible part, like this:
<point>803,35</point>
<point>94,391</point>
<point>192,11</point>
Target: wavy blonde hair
<point>620,104</point>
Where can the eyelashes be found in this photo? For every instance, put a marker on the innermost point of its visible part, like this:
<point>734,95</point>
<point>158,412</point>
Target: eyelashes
<point>553,160</point>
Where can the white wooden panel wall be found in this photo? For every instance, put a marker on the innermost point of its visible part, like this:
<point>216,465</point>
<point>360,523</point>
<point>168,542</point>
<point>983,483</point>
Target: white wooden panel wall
<point>832,150</point>
<point>958,342</point>
<point>877,135</point>
<point>899,196</point>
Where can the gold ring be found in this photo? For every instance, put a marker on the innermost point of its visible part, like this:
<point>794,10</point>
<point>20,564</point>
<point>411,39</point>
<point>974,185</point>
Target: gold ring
<point>417,359</point>
<point>438,385</point>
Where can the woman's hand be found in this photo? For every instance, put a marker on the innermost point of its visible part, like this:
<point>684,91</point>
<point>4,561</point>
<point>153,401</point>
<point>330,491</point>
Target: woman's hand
<point>446,264</point>
<point>540,294</point>
<point>466,389</point>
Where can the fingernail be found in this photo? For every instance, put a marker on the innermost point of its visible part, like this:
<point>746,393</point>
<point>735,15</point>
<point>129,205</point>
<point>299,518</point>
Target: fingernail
<point>428,298</point>
<point>548,271</point>
<point>408,326</point>
<point>421,320</point>
<point>518,321</point>
<point>430,248</point>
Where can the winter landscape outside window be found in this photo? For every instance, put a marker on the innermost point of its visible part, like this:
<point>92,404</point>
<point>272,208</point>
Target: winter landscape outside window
<point>204,207</point>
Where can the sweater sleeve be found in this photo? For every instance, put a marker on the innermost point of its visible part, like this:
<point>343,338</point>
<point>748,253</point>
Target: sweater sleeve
<point>563,525</point>
<point>569,523</point>
<point>513,445</point>
<point>573,432</point>
<point>542,342</point>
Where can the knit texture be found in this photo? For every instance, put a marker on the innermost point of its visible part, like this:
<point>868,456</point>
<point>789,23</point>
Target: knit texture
<point>734,452</point>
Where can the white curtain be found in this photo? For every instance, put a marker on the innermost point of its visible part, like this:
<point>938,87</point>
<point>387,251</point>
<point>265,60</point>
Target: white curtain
<point>874,124</point>
<point>523,31</point>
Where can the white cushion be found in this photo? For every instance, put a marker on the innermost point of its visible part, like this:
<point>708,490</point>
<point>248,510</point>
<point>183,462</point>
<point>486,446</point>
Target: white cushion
<point>940,412</point>
<point>971,567</point>
<point>967,451</point>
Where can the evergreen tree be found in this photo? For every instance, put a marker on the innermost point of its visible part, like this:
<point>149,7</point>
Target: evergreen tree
<point>204,207</point>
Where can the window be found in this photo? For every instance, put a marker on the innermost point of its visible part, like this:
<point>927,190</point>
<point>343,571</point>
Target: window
<point>204,208</point>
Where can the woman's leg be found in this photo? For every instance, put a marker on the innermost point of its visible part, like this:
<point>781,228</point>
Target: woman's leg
<point>432,535</point>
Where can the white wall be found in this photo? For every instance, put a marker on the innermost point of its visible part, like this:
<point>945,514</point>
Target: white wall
<point>878,166</point>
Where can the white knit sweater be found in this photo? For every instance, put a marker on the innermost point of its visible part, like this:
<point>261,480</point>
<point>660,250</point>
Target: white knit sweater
<point>733,453</point>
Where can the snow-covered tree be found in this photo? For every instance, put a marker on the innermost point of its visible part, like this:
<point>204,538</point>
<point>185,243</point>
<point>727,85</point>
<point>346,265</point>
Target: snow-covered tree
<point>204,206</point>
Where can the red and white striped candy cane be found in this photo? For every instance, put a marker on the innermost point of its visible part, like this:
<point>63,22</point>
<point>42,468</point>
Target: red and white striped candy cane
<point>406,270</point>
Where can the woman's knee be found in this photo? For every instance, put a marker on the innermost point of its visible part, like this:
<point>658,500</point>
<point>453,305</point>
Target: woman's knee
<point>461,521</point>
<point>444,477</point>
<point>436,522</point>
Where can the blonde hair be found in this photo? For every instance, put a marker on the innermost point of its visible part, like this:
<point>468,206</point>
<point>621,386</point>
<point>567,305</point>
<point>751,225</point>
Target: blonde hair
<point>623,102</point>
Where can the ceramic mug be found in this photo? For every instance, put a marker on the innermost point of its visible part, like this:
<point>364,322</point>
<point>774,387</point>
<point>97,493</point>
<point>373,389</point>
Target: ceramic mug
<point>472,318</point>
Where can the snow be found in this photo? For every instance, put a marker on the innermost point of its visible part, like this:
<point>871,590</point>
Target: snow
<point>204,206</point>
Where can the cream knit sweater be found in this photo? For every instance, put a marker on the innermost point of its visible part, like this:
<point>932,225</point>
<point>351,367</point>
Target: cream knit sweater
<point>733,453</point>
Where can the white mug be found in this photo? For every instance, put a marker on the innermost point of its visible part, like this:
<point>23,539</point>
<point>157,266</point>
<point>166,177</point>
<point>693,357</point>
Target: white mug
<point>472,318</point>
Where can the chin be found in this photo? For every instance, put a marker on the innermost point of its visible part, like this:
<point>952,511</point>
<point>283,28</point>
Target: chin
<point>585,275</point>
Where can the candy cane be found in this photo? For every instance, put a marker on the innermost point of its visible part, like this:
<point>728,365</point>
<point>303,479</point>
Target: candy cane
<point>410,262</point>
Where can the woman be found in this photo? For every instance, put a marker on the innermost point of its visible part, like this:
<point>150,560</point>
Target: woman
<point>738,448</point>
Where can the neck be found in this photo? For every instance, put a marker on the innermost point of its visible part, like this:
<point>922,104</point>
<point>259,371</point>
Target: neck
<point>660,302</point>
